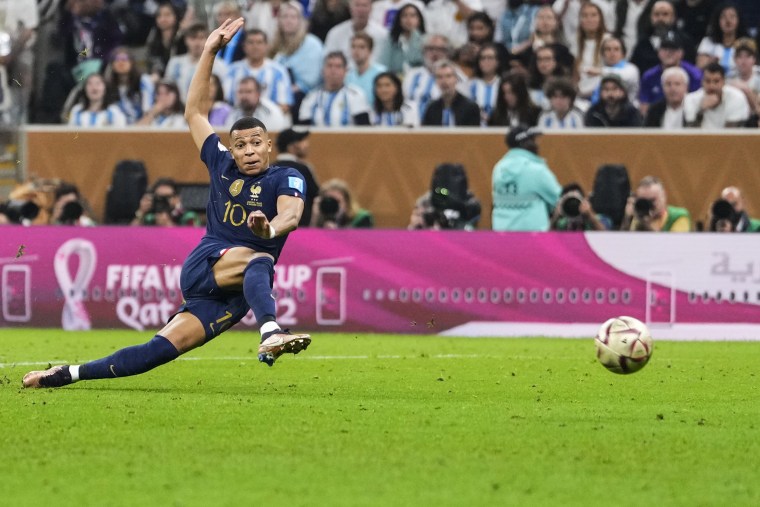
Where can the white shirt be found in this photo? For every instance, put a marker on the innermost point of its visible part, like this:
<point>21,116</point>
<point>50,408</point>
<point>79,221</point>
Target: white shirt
<point>549,120</point>
<point>384,11</point>
<point>724,55</point>
<point>484,94</point>
<point>339,38</point>
<point>180,69</point>
<point>333,109</point>
<point>407,116</point>
<point>733,108</point>
<point>267,111</point>
<point>112,116</point>
<point>673,118</point>
<point>13,12</point>
<point>571,19</point>
<point>753,83</point>
<point>261,15</point>
<point>272,77</point>
<point>443,17</point>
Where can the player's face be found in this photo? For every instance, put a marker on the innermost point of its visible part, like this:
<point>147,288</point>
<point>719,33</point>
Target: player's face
<point>255,47</point>
<point>250,149</point>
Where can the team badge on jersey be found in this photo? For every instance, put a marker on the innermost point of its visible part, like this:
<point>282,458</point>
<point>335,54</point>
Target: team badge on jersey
<point>296,183</point>
<point>255,191</point>
<point>236,187</point>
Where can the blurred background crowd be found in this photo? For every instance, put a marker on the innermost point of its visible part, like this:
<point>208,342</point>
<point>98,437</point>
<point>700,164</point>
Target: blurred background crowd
<point>512,64</point>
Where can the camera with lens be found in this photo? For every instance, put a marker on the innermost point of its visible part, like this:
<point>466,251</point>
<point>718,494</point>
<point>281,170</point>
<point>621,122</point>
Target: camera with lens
<point>329,207</point>
<point>20,211</point>
<point>570,204</point>
<point>643,207</point>
<point>452,204</point>
<point>71,212</point>
<point>724,216</point>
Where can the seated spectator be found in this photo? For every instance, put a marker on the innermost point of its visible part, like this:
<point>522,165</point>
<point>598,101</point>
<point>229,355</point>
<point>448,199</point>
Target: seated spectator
<point>164,39</point>
<point>568,12</point>
<point>716,105</point>
<point>384,12</point>
<point>726,26</point>
<point>588,62</point>
<point>746,75</point>
<point>363,71</point>
<point>525,190</point>
<point>233,50</point>
<point>69,207</point>
<point>573,212</point>
<point>419,82</point>
<point>563,113</point>
<point>513,105</point>
<point>135,89</point>
<point>336,208</point>
<point>648,210</point>
<point>613,59</point>
<point>335,104</point>
<point>326,14</point>
<point>517,25</point>
<point>452,108</point>
<point>262,15</point>
<point>632,17</point>
<point>162,206</point>
<point>402,49</point>
<point>445,16</point>
<point>481,30</point>
<point>96,105</point>
<point>221,110</point>
<point>180,69</point>
<point>250,102</point>
<point>272,77</point>
<point>543,66</point>
<point>339,37</point>
<point>168,110</point>
<point>390,109</point>
<point>485,85</point>
<point>547,32</point>
<point>662,21</point>
<point>670,55</point>
<point>613,109</point>
<point>668,112</point>
<point>734,211</point>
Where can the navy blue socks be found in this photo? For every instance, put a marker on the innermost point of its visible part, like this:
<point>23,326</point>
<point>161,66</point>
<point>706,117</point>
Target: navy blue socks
<point>257,288</point>
<point>131,360</point>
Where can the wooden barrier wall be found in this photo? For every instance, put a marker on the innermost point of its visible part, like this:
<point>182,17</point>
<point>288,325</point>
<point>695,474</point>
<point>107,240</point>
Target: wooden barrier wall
<point>389,170</point>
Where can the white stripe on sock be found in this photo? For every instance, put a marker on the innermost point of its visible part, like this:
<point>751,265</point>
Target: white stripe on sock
<point>74,371</point>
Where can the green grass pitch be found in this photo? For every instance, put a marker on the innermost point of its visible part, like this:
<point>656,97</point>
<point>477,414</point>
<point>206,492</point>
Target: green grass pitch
<point>382,420</point>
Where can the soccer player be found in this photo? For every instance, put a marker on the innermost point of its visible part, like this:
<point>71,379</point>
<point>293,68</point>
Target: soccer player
<point>252,208</point>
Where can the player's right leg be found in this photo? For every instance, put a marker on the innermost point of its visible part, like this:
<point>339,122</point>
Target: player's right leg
<point>181,334</point>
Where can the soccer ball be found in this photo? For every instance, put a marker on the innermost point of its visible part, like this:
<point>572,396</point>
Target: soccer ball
<point>624,345</point>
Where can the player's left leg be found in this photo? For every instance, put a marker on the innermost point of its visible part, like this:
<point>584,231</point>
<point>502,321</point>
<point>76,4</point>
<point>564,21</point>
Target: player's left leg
<point>183,333</point>
<point>254,272</point>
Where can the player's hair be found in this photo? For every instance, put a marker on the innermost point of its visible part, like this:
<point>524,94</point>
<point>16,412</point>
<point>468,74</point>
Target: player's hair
<point>248,122</point>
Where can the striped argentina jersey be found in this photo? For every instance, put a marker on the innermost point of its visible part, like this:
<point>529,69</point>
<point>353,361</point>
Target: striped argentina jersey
<point>323,108</point>
<point>572,120</point>
<point>484,94</point>
<point>272,77</point>
<point>112,116</point>
<point>180,69</point>
<point>406,116</point>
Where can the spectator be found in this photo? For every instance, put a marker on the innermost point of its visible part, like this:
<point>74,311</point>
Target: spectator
<point>450,17</point>
<point>272,77</point>
<point>293,148</point>
<point>69,208</point>
<point>547,32</point>
<point>663,21</point>
<point>452,108</point>
<point>336,208</point>
<point>135,90</point>
<point>166,208</point>
<point>613,58</point>
<point>180,69</point>
<point>648,210</point>
<point>573,212</point>
<point>262,15</point>
<point>746,75</point>
<point>18,21</point>
<point>164,39</point>
<point>168,109</point>
<point>465,57</point>
<point>390,109</point>
<point>525,190</point>
<point>233,50</point>
<point>325,15</point>
<point>384,12</point>
<point>402,49</point>
<point>543,66</point>
<point>568,12</point>
<point>298,51</point>
<point>96,105</point>
<point>250,102</point>
<point>484,87</point>
<point>517,24</point>
<point>363,72</point>
<point>632,21</point>
<point>670,55</point>
<point>514,106</point>
<point>740,220</point>
<point>340,36</point>
<point>335,104</point>
<point>613,109</point>
<point>588,62</point>
<point>716,105</point>
<point>694,17</point>
<point>563,114</point>
<point>89,33</point>
<point>726,26</point>
<point>220,113</point>
<point>419,82</point>
<point>668,112</point>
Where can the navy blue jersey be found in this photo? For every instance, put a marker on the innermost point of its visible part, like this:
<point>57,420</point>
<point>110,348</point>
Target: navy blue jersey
<point>233,196</point>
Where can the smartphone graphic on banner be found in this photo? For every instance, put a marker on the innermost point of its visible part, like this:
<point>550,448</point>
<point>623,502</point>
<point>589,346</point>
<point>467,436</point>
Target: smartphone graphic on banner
<point>331,295</point>
<point>15,284</point>
<point>661,298</point>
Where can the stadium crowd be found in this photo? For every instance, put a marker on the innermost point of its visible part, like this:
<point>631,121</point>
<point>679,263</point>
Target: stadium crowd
<point>562,64</point>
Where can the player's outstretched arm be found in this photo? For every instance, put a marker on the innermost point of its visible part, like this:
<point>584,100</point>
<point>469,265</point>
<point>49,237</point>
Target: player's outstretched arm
<point>289,210</point>
<point>198,100</point>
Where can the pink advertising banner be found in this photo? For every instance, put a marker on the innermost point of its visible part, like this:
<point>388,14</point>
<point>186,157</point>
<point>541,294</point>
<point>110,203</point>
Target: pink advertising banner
<point>465,283</point>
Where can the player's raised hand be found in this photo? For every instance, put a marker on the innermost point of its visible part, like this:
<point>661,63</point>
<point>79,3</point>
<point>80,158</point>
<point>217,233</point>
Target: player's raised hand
<point>224,34</point>
<point>259,225</point>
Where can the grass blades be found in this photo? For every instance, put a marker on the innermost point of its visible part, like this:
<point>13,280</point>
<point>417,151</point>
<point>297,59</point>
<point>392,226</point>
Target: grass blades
<point>382,420</point>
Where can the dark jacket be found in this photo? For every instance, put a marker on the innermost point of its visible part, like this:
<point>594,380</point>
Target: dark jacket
<point>466,112</point>
<point>645,57</point>
<point>597,116</point>
<point>312,187</point>
<point>655,114</point>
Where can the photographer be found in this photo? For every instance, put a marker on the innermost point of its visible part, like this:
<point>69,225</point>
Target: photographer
<point>28,203</point>
<point>449,204</point>
<point>68,208</point>
<point>574,213</point>
<point>335,208</point>
<point>162,206</point>
<point>648,210</point>
<point>727,214</point>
